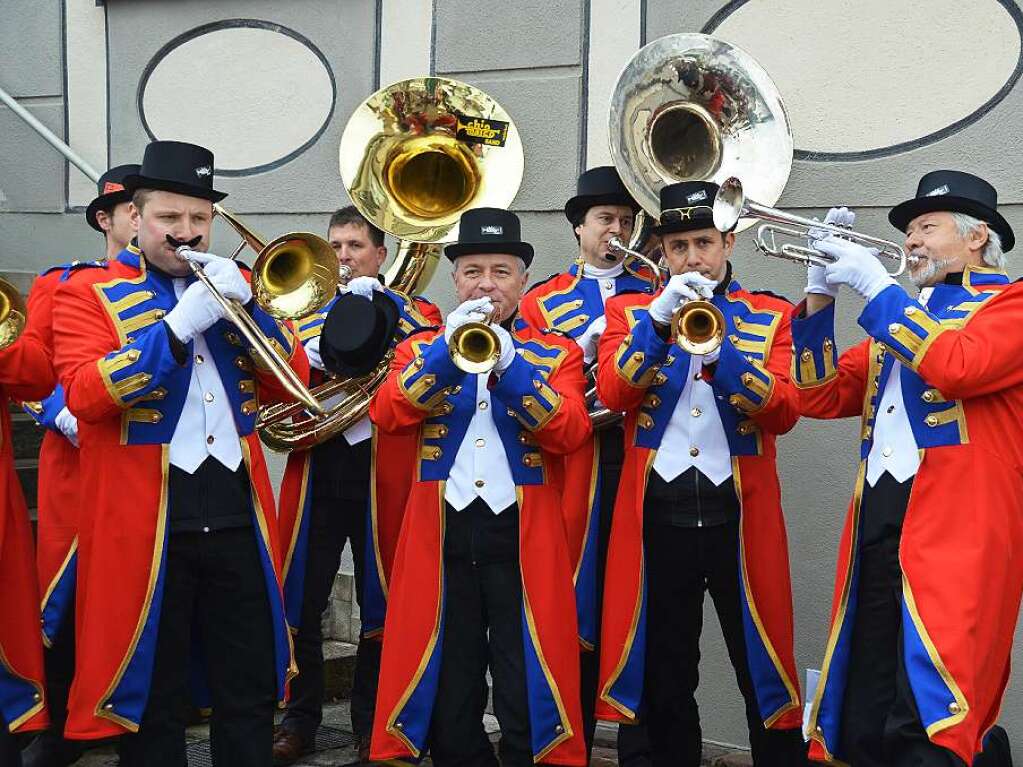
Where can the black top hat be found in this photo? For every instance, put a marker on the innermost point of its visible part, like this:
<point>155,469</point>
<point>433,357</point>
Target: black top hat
<point>357,333</point>
<point>685,206</point>
<point>597,186</point>
<point>955,192</point>
<point>489,230</point>
<point>109,192</point>
<point>174,166</point>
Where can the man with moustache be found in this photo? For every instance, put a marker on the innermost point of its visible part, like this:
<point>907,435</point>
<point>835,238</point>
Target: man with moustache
<point>482,576</point>
<point>918,656</point>
<point>59,499</point>
<point>699,505</point>
<point>326,496</point>
<point>181,537</point>
<point>572,303</point>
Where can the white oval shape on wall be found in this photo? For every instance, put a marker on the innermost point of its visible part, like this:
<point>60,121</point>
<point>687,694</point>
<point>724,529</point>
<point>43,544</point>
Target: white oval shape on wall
<point>257,94</point>
<point>875,77</point>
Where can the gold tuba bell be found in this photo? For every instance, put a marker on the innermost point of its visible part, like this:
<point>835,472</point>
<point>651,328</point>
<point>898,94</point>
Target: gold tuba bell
<point>13,314</point>
<point>413,157</point>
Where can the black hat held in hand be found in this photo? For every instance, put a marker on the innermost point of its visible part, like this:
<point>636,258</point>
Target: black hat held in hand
<point>357,333</point>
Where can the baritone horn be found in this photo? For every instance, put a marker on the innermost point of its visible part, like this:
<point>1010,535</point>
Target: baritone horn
<point>13,314</point>
<point>731,204</point>
<point>413,157</point>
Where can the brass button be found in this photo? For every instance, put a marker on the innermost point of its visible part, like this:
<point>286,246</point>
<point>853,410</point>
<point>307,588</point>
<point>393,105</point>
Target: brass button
<point>694,451</point>
<point>806,355</point>
<point>206,528</point>
<point>953,708</point>
<point>208,396</point>
<point>109,707</point>
<point>696,412</point>
<point>928,396</point>
<point>483,405</point>
<point>400,725</point>
<point>609,284</point>
<point>480,483</point>
<point>559,729</point>
<point>747,379</point>
<point>481,443</point>
<point>909,311</point>
<point>134,354</point>
<point>418,362</point>
<point>37,697</point>
<point>199,359</point>
<point>538,385</point>
<point>733,338</point>
<point>882,347</point>
<point>931,420</point>
<point>887,452</point>
<point>828,345</point>
<point>456,388</point>
<point>894,328</point>
<point>210,440</point>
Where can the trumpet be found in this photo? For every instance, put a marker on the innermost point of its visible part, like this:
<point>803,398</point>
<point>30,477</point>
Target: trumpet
<point>697,326</point>
<point>731,204</point>
<point>474,347</point>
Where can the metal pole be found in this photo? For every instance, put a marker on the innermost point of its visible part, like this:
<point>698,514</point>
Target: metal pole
<point>49,136</point>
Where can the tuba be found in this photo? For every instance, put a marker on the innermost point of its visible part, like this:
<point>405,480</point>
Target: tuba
<point>691,107</point>
<point>13,314</point>
<point>413,157</point>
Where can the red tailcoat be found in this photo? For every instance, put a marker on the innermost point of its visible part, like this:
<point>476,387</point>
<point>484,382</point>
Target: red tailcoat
<point>59,499</point>
<point>539,411</point>
<point>26,373</point>
<point>122,381</point>
<point>569,303</point>
<point>643,375</point>
<point>389,491</point>
<point>961,549</point>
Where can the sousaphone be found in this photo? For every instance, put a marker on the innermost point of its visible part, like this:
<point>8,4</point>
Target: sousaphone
<point>413,157</point>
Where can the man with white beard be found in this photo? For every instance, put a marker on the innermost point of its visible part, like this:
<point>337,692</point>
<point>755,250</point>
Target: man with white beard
<point>930,570</point>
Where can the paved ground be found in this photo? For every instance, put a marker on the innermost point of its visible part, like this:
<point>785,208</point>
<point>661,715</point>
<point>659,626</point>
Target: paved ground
<point>336,715</point>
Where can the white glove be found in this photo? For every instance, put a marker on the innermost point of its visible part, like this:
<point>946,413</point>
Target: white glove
<point>690,286</point>
<point>68,425</point>
<point>473,310</point>
<point>507,349</point>
<point>591,337</point>
<point>364,286</point>
<point>815,280</point>
<point>855,266</point>
<point>225,275</point>
<point>842,217</point>
<point>195,312</point>
<point>312,351</point>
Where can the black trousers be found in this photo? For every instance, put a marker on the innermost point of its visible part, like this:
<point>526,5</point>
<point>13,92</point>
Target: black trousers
<point>10,747</point>
<point>633,742</point>
<point>337,514</point>
<point>482,629</point>
<point>880,723</point>
<point>216,579</point>
<point>682,563</point>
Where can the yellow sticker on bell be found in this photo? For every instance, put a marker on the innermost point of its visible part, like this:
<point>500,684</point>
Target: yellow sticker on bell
<point>480,130</point>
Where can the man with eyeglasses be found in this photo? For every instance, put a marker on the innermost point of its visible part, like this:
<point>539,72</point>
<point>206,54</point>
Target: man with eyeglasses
<point>699,505</point>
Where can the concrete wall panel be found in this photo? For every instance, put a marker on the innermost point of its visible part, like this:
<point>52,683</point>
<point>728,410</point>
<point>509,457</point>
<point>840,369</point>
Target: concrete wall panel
<point>475,37</point>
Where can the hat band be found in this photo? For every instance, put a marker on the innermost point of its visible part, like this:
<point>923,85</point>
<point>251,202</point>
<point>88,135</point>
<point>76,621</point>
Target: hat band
<point>677,215</point>
<point>110,187</point>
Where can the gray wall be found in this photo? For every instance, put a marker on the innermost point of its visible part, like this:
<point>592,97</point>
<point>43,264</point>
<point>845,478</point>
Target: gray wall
<point>536,58</point>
